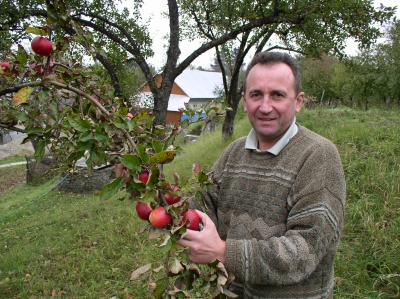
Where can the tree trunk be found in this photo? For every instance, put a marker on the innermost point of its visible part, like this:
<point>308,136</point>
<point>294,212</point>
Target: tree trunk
<point>228,125</point>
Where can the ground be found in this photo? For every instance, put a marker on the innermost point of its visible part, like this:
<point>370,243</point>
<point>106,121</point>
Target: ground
<point>15,147</point>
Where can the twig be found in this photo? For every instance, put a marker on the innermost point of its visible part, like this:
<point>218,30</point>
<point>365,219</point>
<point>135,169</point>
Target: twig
<point>96,103</point>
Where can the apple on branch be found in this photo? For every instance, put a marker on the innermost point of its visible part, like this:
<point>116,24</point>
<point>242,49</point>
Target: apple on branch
<point>172,198</point>
<point>144,176</point>
<point>143,210</point>
<point>191,219</point>
<point>159,217</point>
<point>5,66</point>
<point>41,46</point>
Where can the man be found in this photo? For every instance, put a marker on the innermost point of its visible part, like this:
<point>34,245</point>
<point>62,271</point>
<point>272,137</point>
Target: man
<point>277,212</point>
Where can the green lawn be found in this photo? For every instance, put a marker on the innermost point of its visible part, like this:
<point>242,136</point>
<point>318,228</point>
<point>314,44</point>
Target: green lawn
<point>57,245</point>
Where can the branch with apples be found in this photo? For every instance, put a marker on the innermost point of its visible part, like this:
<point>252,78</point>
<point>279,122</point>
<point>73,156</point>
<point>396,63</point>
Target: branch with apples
<point>64,108</point>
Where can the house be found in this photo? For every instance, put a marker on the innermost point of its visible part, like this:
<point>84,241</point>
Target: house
<point>193,87</point>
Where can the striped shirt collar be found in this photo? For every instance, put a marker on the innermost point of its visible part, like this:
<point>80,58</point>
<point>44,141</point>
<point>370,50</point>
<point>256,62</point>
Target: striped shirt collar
<point>252,140</point>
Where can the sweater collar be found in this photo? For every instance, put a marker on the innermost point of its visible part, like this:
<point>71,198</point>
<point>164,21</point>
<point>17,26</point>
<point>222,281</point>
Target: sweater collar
<point>252,140</point>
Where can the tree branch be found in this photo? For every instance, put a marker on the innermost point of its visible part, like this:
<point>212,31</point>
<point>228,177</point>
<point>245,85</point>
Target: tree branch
<point>96,103</point>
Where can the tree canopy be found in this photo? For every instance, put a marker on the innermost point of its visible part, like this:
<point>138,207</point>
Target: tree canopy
<point>313,29</point>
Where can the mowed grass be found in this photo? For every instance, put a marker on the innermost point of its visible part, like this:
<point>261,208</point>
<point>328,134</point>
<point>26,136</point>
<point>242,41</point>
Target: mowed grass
<point>57,245</point>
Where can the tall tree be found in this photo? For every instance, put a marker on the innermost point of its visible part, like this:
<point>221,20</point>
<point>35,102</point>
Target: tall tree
<point>116,35</point>
<point>308,27</point>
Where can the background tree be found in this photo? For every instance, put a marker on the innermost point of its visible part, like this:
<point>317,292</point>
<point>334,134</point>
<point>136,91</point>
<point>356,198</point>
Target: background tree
<point>311,28</point>
<point>391,51</point>
<point>316,77</point>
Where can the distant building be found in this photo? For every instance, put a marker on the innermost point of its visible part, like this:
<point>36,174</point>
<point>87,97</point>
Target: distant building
<point>193,87</point>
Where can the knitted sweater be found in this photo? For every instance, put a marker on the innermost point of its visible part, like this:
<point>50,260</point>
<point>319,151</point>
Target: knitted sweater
<point>281,216</point>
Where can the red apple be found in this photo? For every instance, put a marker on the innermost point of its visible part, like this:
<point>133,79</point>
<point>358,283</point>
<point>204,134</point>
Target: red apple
<point>37,69</point>
<point>171,199</point>
<point>143,210</point>
<point>42,46</point>
<point>159,217</point>
<point>144,176</point>
<point>5,65</point>
<point>194,219</point>
<point>130,115</point>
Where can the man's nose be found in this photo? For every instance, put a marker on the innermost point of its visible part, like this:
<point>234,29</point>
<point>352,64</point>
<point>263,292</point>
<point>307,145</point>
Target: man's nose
<point>265,104</point>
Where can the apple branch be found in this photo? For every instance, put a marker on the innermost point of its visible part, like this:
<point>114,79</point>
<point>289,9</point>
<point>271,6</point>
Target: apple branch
<point>15,88</point>
<point>96,103</point>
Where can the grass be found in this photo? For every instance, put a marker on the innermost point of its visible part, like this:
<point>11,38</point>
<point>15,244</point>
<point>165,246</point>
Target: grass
<point>57,245</point>
<point>12,159</point>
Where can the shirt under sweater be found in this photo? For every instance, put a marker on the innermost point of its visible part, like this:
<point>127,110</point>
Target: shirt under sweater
<point>281,216</point>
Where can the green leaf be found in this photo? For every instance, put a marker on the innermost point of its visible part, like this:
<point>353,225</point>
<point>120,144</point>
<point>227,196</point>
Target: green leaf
<point>111,188</point>
<point>86,136</point>
<point>161,285</point>
<point>34,131</point>
<point>202,177</point>
<point>141,150</point>
<point>79,124</point>
<point>83,146</point>
<point>157,145</point>
<point>100,136</point>
<point>21,55</point>
<point>163,157</point>
<point>35,30</point>
<point>39,152</point>
<point>131,162</point>
<point>166,244</point>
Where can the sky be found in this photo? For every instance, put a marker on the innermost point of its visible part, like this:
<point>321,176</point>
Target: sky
<point>159,27</point>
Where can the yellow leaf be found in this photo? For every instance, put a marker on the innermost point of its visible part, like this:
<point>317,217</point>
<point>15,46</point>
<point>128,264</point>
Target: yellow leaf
<point>22,95</point>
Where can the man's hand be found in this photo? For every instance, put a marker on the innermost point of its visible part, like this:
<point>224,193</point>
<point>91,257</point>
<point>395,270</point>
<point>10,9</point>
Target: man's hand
<point>205,246</point>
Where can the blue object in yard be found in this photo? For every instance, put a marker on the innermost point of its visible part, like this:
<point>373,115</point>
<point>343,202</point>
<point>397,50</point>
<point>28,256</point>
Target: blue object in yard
<point>194,117</point>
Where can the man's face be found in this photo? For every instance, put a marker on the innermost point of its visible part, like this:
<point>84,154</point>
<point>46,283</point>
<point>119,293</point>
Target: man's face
<point>271,101</point>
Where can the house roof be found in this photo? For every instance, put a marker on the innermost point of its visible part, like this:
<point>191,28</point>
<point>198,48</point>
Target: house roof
<point>199,84</point>
<point>175,102</point>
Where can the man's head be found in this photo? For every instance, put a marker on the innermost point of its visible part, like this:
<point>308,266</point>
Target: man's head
<point>272,95</point>
<point>269,58</point>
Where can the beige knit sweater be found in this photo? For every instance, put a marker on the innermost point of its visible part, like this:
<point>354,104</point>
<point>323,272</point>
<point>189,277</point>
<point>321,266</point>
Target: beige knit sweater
<point>281,216</point>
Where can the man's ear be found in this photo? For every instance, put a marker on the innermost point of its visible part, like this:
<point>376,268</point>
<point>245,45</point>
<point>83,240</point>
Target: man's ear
<point>244,102</point>
<point>299,102</point>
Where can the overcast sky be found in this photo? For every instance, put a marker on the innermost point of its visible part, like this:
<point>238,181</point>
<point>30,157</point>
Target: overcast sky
<point>159,27</point>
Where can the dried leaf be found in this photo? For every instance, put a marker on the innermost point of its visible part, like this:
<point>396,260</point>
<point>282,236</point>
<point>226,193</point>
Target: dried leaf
<point>135,274</point>
<point>196,168</point>
<point>22,95</point>
<point>176,266</point>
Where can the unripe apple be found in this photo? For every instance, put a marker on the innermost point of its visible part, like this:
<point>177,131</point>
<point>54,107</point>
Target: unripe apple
<point>194,219</point>
<point>144,176</point>
<point>143,210</point>
<point>159,217</point>
<point>42,46</point>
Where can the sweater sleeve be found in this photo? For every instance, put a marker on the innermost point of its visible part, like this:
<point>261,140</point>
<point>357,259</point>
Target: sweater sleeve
<point>313,229</point>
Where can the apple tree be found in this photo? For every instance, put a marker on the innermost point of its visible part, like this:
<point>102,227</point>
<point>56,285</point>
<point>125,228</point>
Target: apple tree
<point>116,36</point>
<point>70,111</point>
